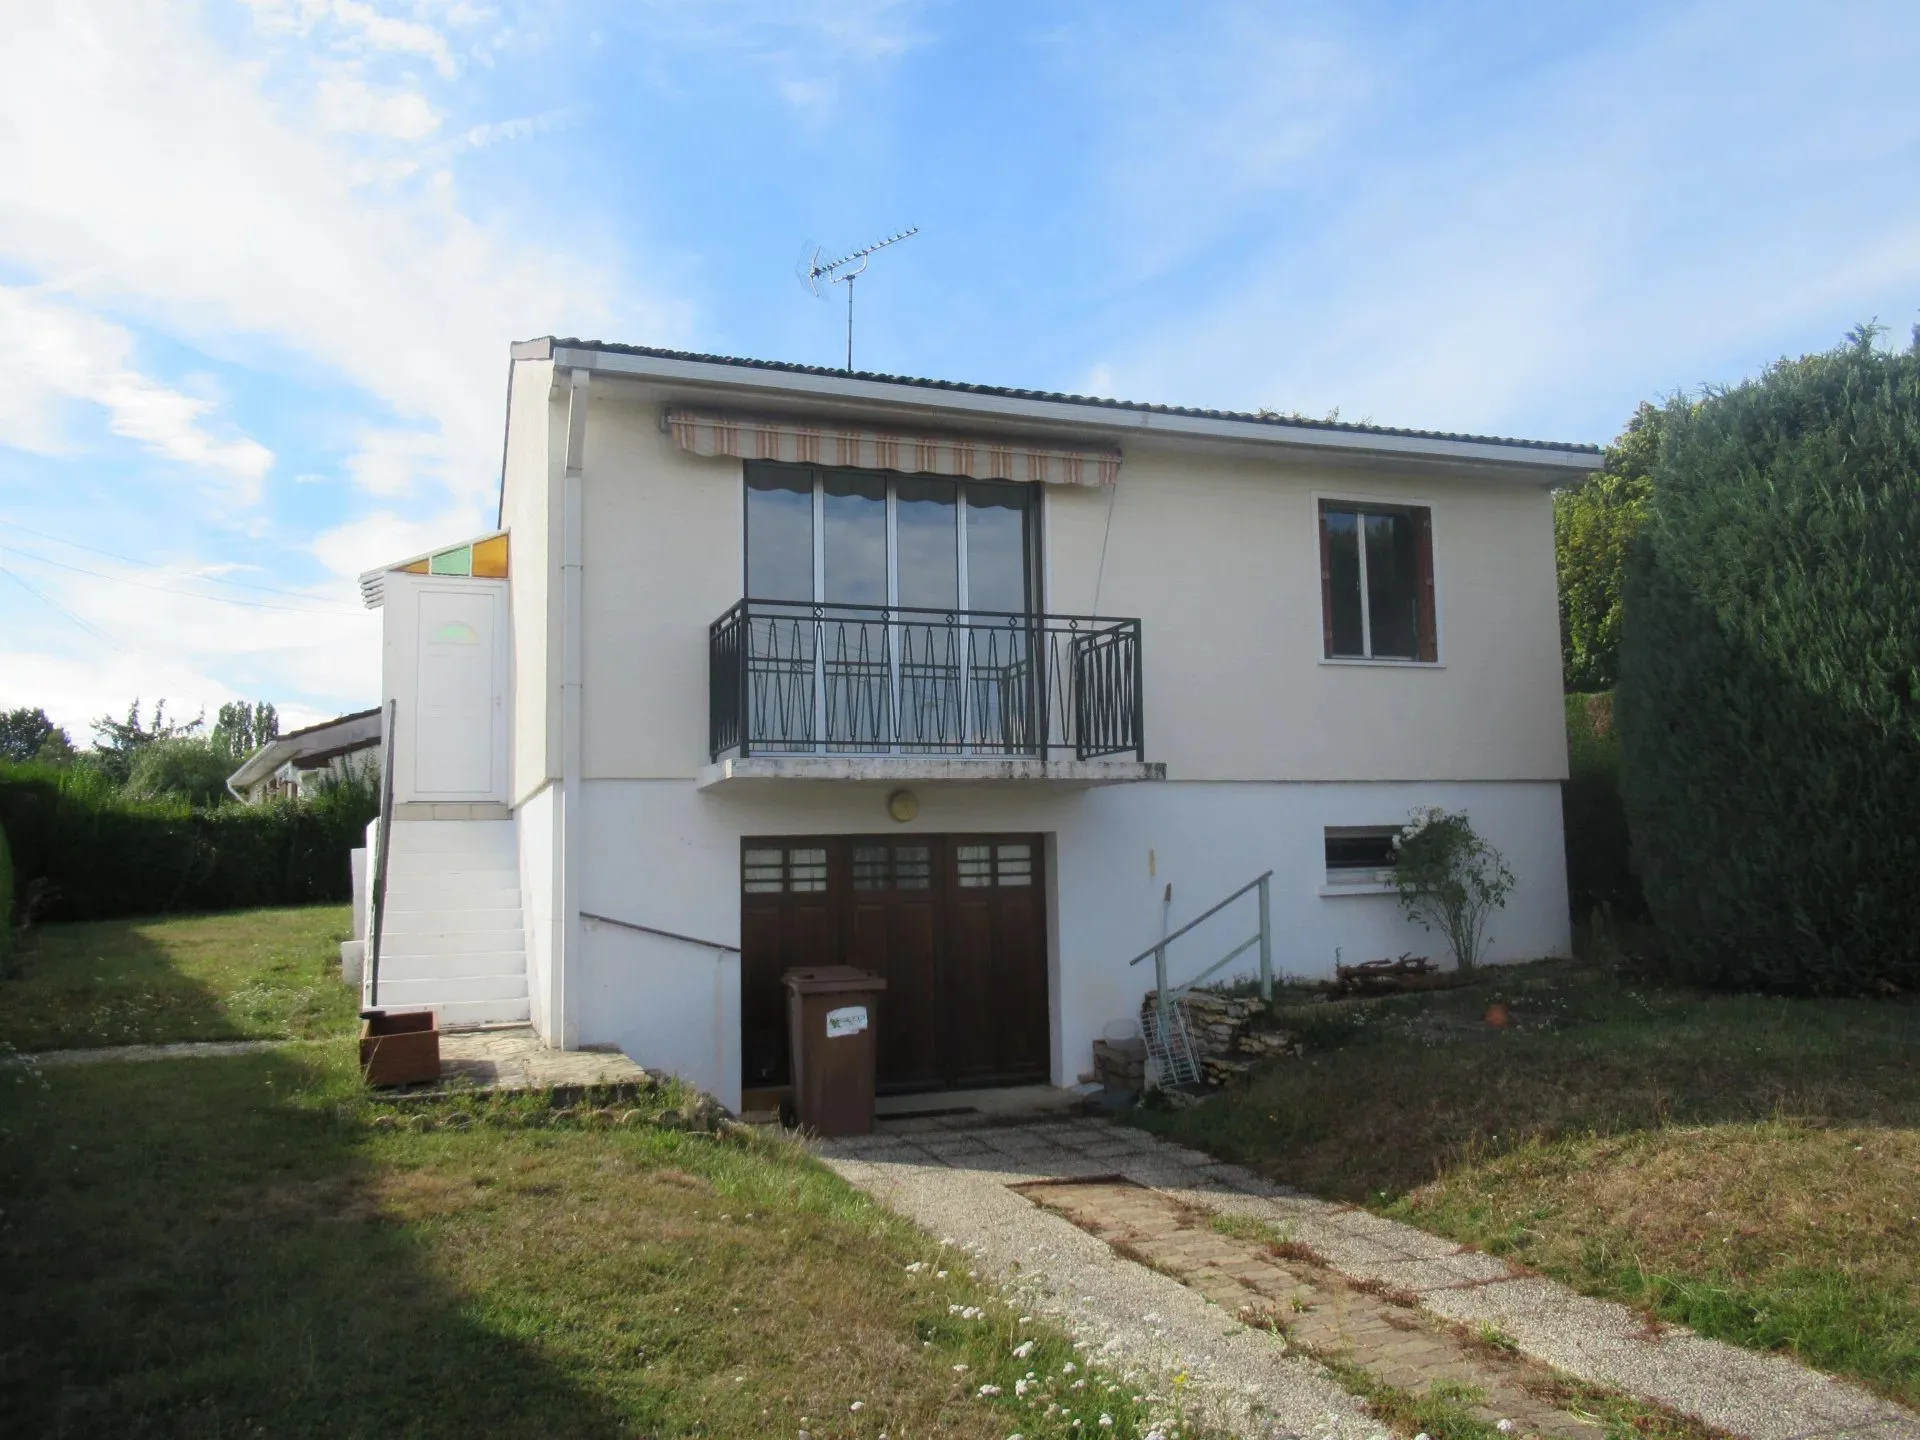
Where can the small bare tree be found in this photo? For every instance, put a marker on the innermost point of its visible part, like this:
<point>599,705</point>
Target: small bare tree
<point>1450,880</point>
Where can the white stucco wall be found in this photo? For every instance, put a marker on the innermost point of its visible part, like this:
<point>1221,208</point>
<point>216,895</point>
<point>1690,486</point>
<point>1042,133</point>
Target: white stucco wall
<point>539,914</point>
<point>660,853</point>
<point>529,512</point>
<point>1219,558</point>
<point>1265,743</point>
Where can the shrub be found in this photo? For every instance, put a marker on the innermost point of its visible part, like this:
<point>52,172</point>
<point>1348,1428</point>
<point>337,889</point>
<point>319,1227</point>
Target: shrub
<point>1599,852</point>
<point>184,768</point>
<point>1450,880</point>
<point>6,901</point>
<point>1769,699</point>
<point>1594,523</point>
<point>103,854</point>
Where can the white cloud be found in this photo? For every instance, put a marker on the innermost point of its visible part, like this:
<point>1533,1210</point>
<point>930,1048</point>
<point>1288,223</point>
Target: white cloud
<point>362,28</point>
<point>348,105</point>
<point>150,172</point>
<point>1541,244</point>
<point>192,651</point>
<point>52,353</point>
<point>352,548</point>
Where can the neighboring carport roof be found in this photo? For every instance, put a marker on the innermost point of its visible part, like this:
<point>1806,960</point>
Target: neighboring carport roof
<point>353,731</point>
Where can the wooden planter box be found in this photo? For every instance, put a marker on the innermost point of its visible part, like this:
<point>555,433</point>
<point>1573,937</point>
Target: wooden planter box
<point>402,1049</point>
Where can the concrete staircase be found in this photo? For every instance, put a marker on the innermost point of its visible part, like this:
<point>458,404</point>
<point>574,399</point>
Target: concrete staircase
<point>453,940</point>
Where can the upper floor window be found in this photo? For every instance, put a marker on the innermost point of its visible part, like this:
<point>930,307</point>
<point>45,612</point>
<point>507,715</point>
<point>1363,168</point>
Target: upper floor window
<point>870,537</point>
<point>1376,582</point>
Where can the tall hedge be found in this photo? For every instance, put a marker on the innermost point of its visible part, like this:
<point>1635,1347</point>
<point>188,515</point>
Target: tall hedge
<point>1599,852</point>
<point>6,900</point>
<point>1769,701</point>
<point>101,854</point>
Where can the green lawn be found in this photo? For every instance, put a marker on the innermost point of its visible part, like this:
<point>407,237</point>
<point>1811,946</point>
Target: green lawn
<point>1741,1164</point>
<point>249,1245</point>
<point>251,974</point>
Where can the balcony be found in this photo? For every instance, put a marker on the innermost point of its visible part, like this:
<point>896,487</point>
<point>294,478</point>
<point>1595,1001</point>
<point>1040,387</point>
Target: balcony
<point>802,690</point>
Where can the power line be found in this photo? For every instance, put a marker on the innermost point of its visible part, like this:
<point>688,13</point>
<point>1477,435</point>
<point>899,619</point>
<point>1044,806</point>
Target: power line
<point>56,605</point>
<point>171,589</point>
<point>149,565</point>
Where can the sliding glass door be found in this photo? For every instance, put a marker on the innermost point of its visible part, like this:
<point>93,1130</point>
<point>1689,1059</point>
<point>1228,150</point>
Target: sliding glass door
<point>890,610</point>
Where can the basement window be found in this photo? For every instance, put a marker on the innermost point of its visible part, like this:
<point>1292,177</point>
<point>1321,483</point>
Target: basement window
<point>1361,854</point>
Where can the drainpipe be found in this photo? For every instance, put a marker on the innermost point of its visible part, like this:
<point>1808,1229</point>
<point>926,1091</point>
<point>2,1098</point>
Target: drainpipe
<point>572,851</point>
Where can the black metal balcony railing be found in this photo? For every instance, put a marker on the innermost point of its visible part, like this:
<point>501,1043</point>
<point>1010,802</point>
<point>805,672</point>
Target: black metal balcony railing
<point>800,678</point>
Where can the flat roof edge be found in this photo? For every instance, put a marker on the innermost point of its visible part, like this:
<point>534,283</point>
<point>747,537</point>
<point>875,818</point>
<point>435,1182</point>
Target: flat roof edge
<point>1081,414</point>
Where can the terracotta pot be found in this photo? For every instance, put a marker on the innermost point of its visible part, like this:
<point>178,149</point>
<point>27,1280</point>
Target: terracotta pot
<point>399,1049</point>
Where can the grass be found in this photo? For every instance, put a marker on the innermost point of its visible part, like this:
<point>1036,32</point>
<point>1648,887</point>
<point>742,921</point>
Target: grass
<point>251,974</point>
<point>250,1245</point>
<point>1743,1165</point>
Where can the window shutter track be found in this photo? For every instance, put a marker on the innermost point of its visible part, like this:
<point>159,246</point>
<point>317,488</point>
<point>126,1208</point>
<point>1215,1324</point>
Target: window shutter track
<point>1326,586</point>
<point>1429,638</point>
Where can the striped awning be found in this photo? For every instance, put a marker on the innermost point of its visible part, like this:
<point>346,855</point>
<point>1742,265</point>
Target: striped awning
<point>859,448</point>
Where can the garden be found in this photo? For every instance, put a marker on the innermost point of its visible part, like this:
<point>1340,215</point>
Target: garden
<point>1713,1112</point>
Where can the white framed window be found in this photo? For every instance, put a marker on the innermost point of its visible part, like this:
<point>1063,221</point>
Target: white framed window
<point>1376,582</point>
<point>1360,855</point>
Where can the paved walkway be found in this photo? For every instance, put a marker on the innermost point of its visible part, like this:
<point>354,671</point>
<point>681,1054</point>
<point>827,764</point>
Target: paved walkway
<point>960,1182</point>
<point>503,1058</point>
<point>131,1054</point>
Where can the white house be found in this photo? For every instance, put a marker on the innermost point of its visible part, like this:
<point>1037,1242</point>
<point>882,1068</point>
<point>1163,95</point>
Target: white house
<point>977,688</point>
<point>292,764</point>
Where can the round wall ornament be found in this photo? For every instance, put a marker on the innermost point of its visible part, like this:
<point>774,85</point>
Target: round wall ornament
<point>903,805</point>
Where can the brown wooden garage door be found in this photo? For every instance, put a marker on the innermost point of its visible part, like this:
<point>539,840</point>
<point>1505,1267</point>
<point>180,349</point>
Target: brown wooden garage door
<point>955,924</point>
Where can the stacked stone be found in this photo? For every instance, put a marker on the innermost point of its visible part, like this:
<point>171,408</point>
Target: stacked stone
<point>1121,1065</point>
<point>1224,1034</point>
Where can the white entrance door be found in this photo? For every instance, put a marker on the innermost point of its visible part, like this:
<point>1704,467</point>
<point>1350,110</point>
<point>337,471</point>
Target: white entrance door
<point>447,668</point>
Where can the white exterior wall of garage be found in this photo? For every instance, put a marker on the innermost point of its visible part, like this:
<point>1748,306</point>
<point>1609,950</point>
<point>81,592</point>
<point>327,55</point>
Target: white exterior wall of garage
<point>1210,537</point>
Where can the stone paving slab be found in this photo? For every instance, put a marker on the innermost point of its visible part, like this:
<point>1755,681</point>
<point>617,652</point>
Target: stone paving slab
<point>517,1059</point>
<point>1313,1308</point>
<point>135,1054</point>
<point>1760,1396</point>
<point>1128,1317</point>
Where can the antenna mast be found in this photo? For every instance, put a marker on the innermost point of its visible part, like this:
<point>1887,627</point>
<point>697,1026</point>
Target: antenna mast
<point>847,269</point>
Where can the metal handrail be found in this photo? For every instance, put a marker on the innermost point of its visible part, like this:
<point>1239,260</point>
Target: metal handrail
<point>1206,914</point>
<point>1163,997</point>
<point>664,934</point>
<point>796,677</point>
<point>381,845</point>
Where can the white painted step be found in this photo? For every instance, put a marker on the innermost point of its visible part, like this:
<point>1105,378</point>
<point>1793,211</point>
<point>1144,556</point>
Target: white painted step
<point>447,942</point>
<point>439,991</point>
<point>453,938</point>
<point>450,863</point>
<point>430,967</point>
<point>458,1014</point>
<point>479,896</point>
<point>419,836</point>
<point>455,921</point>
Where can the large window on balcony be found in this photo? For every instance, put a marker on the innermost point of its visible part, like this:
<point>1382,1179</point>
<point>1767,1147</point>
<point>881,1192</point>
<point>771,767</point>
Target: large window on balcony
<point>868,537</point>
<point>895,609</point>
<point>891,614</point>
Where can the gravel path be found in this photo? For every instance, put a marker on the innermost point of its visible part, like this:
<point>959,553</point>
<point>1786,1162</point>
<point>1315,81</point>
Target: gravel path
<point>1135,1320</point>
<point>954,1182</point>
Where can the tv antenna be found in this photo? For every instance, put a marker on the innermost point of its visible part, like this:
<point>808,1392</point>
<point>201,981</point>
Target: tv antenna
<point>845,270</point>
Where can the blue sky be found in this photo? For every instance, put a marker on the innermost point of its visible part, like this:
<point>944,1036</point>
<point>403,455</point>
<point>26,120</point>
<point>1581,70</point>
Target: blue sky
<point>260,262</point>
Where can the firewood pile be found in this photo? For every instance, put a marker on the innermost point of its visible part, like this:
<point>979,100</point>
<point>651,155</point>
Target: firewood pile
<point>1392,977</point>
